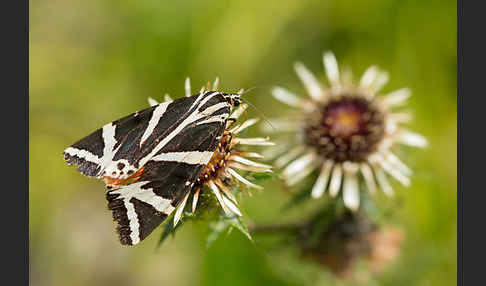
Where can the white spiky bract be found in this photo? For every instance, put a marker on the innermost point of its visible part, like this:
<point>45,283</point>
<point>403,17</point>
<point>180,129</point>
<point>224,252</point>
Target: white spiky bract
<point>300,160</point>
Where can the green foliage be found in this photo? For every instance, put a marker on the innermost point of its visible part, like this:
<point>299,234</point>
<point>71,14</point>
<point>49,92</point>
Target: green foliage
<point>226,225</point>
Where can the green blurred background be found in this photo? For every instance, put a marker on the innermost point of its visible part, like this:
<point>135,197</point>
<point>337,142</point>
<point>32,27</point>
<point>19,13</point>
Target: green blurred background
<point>92,62</point>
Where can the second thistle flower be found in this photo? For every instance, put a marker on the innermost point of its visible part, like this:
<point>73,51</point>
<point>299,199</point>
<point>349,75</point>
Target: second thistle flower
<point>343,130</point>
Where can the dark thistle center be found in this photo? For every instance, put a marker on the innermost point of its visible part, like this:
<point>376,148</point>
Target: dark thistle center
<point>345,129</point>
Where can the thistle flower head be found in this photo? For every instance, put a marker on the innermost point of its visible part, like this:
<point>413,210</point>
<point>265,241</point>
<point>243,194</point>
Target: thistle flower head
<point>345,129</point>
<point>222,172</point>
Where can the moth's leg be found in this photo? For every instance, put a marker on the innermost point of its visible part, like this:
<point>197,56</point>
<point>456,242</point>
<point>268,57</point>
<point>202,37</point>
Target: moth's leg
<point>230,134</point>
<point>230,121</point>
<point>228,137</point>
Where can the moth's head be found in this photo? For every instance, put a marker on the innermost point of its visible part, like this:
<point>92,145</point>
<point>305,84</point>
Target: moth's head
<point>232,98</point>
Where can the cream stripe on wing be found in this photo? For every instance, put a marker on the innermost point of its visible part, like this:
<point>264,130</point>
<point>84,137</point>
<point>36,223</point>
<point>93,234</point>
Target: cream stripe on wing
<point>219,118</point>
<point>156,115</point>
<point>83,154</point>
<point>135,190</point>
<point>109,141</point>
<point>132,222</point>
<point>190,157</point>
<point>202,98</point>
<point>213,108</point>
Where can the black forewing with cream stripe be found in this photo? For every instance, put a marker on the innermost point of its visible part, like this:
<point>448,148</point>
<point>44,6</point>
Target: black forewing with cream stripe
<point>171,141</point>
<point>120,140</point>
<point>120,148</point>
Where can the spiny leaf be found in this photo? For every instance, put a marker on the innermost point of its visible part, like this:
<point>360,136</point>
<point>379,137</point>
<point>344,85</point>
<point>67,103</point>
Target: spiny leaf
<point>226,224</point>
<point>237,223</point>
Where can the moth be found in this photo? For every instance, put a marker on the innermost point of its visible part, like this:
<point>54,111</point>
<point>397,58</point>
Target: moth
<point>152,158</point>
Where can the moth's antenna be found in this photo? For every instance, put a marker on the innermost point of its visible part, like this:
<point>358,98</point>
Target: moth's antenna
<point>241,92</point>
